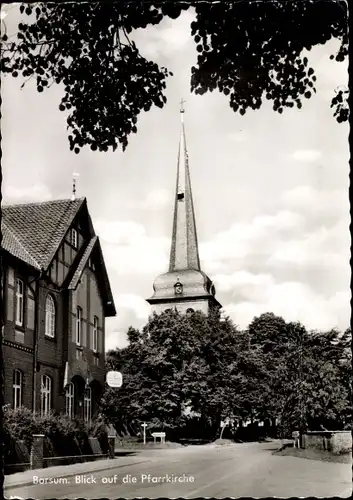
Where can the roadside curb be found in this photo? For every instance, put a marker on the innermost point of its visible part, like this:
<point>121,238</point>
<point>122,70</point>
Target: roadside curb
<point>71,474</point>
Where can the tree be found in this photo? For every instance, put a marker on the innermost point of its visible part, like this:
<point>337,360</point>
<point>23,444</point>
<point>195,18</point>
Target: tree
<point>249,51</point>
<point>178,366</point>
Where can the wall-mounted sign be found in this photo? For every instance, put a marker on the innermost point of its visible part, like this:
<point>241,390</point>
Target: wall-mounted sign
<point>114,379</point>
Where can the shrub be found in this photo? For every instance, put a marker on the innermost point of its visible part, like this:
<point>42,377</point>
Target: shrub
<point>20,424</point>
<point>66,436</point>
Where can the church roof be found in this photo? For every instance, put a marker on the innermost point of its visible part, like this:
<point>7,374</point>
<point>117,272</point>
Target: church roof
<point>184,263</point>
<point>33,232</point>
<point>184,252</point>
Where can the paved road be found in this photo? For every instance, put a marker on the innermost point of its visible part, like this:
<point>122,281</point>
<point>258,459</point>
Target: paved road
<point>238,470</point>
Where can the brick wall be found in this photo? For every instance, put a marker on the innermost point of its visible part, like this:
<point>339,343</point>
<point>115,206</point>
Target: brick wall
<point>87,297</point>
<point>16,359</point>
<point>18,340</point>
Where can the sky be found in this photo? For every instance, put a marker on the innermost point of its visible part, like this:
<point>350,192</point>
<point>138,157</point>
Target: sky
<point>270,191</point>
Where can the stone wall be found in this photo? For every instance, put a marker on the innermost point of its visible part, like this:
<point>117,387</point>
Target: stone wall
<point>341,442</point>
<point>337,442</point>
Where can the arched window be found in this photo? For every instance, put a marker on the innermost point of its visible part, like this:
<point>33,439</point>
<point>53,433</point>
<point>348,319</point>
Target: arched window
<point>87,404</point>
<point>45,399</point>
<point>69,399</point>
<point>50,317</point>
<point>17,388</point>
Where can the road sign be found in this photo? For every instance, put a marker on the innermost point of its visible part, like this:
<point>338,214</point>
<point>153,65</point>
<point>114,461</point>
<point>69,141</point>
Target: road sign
<point>114,379</point>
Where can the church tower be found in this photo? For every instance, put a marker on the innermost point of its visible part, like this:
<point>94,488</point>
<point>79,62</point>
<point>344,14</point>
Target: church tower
<point>184,287</point>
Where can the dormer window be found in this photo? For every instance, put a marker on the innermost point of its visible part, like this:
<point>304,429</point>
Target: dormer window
<point>74,238</point>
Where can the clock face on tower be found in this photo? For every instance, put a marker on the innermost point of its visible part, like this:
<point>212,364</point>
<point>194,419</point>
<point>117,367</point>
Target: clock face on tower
<point>213,290</point>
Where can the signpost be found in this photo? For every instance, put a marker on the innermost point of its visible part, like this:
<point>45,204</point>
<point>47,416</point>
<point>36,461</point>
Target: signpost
<point>114,379</point>
<point>144,425</point>
<point>223,426</point>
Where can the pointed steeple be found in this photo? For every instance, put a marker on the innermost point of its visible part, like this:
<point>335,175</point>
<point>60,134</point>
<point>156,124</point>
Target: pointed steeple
<point>184,252</point>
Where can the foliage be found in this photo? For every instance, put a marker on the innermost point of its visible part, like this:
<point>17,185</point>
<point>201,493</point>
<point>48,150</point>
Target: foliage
<point>62,431</point>
<point>187,370</point>
<point>249,51</point>
<point>20,424</point>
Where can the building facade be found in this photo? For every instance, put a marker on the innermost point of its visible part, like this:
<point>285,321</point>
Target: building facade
<point>185,287</point>
<point>56,298</point>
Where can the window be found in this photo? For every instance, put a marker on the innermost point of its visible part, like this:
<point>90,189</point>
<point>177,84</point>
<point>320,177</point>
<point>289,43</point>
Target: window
<point>50,317</point>
<point>189,311</point>
<point>69,398</point>
<point>74,238</point>
<point>19,302</point>
<point>17,388</point>
<point>95,361</point>
<point>78,325</point>
<point>95,334</point>
<point>87,404</point>
<point>45,395</point>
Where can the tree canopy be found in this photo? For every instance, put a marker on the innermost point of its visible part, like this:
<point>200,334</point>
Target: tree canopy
<point>250,51</point>
<point>182,367</point>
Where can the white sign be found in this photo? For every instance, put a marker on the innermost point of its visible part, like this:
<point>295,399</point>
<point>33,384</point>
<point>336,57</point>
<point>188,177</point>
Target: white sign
<point>114,379</point>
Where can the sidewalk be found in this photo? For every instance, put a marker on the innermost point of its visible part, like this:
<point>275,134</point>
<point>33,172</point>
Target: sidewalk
<point>25,478</point>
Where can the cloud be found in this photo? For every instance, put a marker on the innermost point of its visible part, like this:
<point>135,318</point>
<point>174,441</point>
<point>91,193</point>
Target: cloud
<point>156,199</point>
<point>295,301</point>
<point>244,239</point>
<point>306,155</point>
<point>169,37</point>
<point>127,249</point>
<point>243,284</point>
<point>238,136</point>
<point>131,310</point>
<point>312,202</point>
<point>115,339</point>
<point>17,194</point>
<point>294,263</point>
<point>135,303</point>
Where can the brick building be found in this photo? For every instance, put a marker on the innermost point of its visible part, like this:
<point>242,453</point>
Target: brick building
<point>56,298</point>
<point>185,287</point>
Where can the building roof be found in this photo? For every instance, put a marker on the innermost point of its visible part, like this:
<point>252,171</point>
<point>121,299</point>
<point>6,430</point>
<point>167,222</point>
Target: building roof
<point>34,231</point>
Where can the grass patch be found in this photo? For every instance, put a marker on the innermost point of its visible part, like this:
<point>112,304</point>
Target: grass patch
<point>313,454</point>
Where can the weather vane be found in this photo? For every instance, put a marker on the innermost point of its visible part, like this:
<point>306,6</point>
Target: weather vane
<point>74,176</point>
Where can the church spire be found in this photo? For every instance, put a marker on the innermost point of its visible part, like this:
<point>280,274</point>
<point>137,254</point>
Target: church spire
<point>184,252</point>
